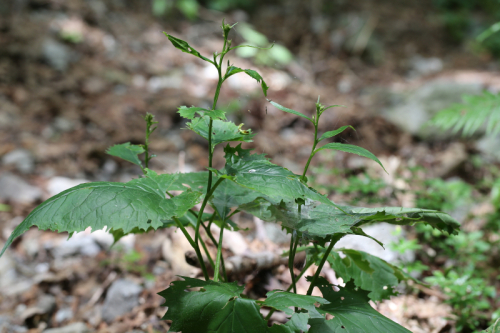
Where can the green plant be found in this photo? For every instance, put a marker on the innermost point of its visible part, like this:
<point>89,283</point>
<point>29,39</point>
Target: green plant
<point>251,183</point>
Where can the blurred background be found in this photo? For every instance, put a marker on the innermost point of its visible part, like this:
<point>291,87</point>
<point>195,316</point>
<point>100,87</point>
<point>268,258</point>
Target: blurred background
<point>77,76</point>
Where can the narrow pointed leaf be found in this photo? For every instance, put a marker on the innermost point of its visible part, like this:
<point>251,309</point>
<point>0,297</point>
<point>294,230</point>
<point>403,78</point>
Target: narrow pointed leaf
<point>222,131</point>
<point>231,70</point>
<point>216,308</point>
<point>297,113</point>
<point>351,313</point>
<point>330,134</point>
<point>351,149</point>
<point>190,112</point>
<point>127,151</point>
<point>185,47</point>
<point>140,203</point>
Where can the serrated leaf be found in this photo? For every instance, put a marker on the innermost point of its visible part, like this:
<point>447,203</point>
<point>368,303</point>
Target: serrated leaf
<point>190,112</point>
<point>351,313</point>
<point>273,182</point>
<point>368,272</point>
<point>407,216</point>
<point>216,308</point>
<point>222,131</point>
<point>283,300</point>
<point>139,203</point>
<point>127,151</point>
<point>351,149</point>
<point>231,70</point>
<point>296,324</point>
<point>185,47</point>
<point>330,134</point>
<point>297,113</point>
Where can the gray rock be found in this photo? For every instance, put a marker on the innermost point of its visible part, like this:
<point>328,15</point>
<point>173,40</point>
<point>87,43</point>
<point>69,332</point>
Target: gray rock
<point>122,297</point>
<point>385,233</point>
<point>14,188</point>
<point>80,244</point>
<point>63,315</point>
<point>58,184</point>
<point>44,307</point>
<point>21,158</point>
<point>488,145</point>
<point>56,54</point>
<point>424,66</point>
<point>71,328</point>
<point>275,233</point>
<point>416,108</point>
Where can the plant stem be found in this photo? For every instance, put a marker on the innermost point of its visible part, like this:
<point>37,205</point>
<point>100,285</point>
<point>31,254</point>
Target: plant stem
<point>291,258</point>
<point>314,146</point>
<point>219,252</point>
<point>333,241</point>
<point>212,238</point>
<point>202,208</point>
<point>195,247</point>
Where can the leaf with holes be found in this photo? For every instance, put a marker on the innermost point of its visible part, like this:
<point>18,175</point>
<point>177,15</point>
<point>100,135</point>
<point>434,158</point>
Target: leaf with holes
<point>127,151</point>
<point>190,113</point>
<point>140,203</point>
<point>283,300</point>
<point>222,131</point>
<point>351,312</point>
<point>216,307</point>
<point>231,70</point>
<point>368,272</point>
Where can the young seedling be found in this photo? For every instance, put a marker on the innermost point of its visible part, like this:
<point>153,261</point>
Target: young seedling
<point>251,183</point>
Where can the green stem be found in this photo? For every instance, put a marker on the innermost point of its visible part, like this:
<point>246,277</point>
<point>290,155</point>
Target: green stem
<point>291,258</point>
<point>212,238</point>
<point>195,247</point>
<point>200,213</point>
<point>333,241</point>
<point>219,252</point>
<point>306,267</point>
<point>313,148</point>
<point>207,253</point>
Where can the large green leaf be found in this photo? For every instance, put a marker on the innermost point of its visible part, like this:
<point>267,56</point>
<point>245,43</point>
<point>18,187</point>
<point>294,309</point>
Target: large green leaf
<point>222,131</point>
<point>275,183</point>
<point>185,47</point>
<point>368,272</point>
<point>127,151</point>
<point>351,313</point>
<point>283,300</point>
<point>231,70</point>
<point>296,324</point>
<point>216,307</point>
<point>406,216</point>
<point>330,134</point>
<point>190,112</point>
<point>350,149</point>
<point>140,203</point>
<point>317,219</point>
<point>285,109</point>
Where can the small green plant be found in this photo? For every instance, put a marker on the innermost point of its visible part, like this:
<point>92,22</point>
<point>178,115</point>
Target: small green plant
<point>250,183</point>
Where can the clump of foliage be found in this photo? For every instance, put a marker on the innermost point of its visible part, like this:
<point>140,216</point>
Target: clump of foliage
<point>253,184</point>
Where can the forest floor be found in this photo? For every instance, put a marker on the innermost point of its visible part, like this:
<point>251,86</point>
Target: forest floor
<point>77,77</point>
